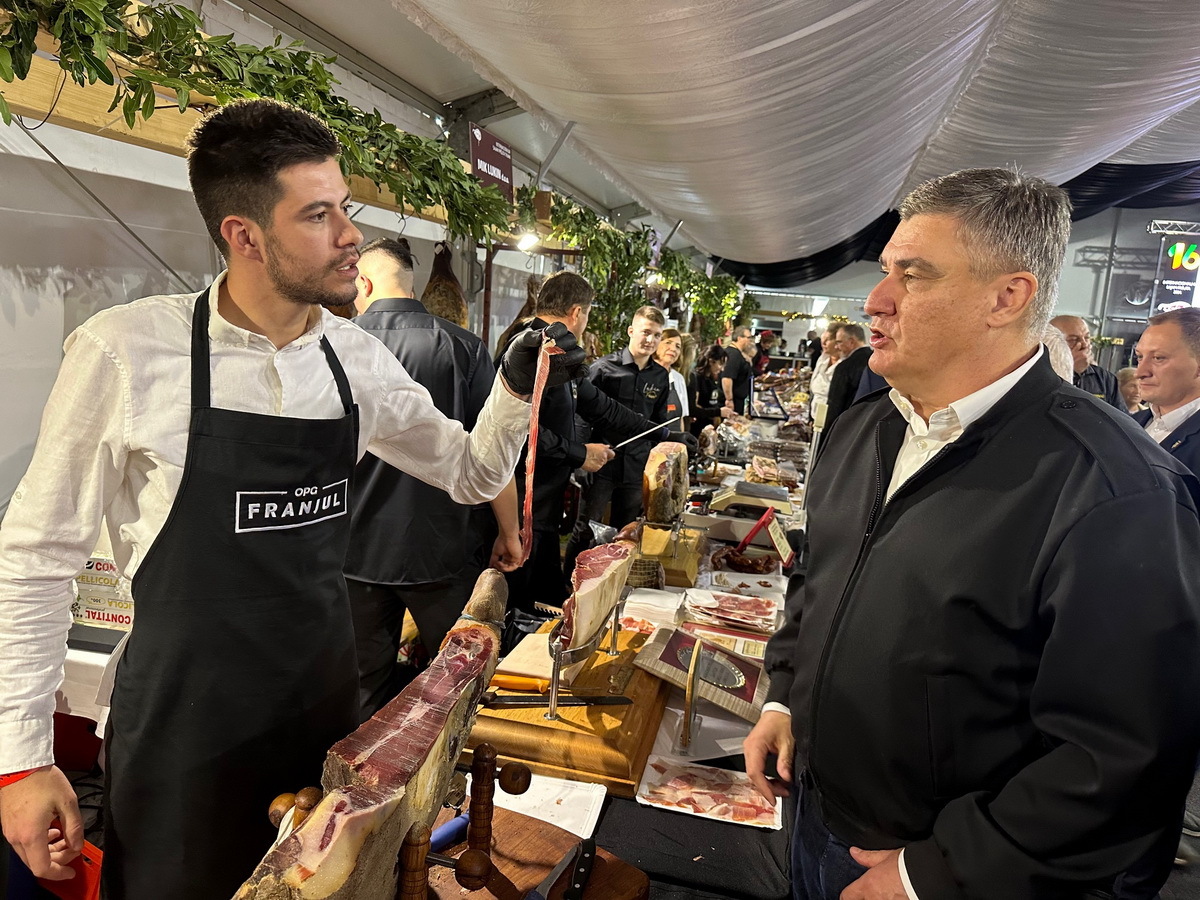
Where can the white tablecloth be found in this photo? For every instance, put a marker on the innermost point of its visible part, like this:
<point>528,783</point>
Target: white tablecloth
<point>81,681</point>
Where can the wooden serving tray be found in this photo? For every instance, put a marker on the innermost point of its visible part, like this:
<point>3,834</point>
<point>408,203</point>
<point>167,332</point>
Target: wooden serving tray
<point>524,850</point>
<point>605,745</point>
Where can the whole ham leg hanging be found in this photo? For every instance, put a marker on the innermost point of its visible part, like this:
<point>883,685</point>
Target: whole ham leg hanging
<point>390,773</point>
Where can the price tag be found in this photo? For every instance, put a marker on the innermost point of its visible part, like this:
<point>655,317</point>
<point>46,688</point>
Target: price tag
<point>779,541</point>
<point>775,532</point>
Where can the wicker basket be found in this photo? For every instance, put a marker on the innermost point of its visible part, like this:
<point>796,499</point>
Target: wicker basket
<point>646,573</point>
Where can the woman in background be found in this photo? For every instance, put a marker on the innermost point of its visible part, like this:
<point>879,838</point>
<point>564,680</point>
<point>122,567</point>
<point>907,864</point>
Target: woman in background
<point>818,386</point>
<point>668,354</point>
<point>1131,390</point>
<point>704,388</point>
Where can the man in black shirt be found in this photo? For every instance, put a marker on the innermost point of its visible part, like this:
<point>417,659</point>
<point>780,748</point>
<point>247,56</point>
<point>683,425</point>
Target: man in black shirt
<point>737,381</point>
<point>637,382</point>
<point>1089,377</point>
<point>567,298</point>
<point>411,546</point>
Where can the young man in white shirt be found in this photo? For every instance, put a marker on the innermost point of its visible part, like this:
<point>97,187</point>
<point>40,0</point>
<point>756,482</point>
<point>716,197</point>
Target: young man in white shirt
<point>980,693</point>
<point>217,433</point>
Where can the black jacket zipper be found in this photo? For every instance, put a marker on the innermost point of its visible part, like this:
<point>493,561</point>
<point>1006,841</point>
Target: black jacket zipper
<point>877,510</point>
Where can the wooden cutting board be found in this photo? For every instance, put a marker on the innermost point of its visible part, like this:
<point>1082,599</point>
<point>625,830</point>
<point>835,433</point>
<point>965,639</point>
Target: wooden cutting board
<point>524,850</point>
<point>598,744</point>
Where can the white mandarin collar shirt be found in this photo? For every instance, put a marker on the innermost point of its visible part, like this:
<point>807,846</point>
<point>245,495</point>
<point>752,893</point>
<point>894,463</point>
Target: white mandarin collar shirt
<point>1160,427</point>
<point>113,443</point>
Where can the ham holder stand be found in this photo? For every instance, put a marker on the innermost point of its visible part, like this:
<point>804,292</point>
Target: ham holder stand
<point>562,658</point>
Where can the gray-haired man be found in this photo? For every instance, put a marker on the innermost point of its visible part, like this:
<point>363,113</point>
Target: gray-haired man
<point>986,695</point>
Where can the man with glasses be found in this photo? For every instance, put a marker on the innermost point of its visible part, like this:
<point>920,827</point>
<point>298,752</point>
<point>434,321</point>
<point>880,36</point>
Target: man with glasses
<point>1089,377</point>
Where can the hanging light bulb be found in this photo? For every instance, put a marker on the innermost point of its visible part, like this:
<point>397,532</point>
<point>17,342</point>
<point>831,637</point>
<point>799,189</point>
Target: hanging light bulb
<point>527,241</point>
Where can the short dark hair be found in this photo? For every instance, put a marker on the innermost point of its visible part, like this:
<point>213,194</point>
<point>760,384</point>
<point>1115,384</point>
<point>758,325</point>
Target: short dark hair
<point>714,353</point>
<point>855,331</point>
<point>650,314</point>
<point>236,153</point>
<point>1188,320</point>
<point>562,291</point>
<point>397,250</point>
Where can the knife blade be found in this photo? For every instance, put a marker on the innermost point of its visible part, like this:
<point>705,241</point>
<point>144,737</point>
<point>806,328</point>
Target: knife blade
<point>492,700</point>
<point>582,870</point>
<point>542,891</point>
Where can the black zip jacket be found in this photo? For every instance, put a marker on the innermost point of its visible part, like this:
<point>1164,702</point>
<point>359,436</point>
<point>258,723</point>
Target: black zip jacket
<point>998,667</point>
<point>1099,382</point>
<point>560,448</point>
<point>642,390</point>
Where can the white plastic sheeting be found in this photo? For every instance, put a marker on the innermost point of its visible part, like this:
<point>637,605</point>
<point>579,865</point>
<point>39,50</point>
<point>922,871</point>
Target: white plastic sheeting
<point>777,128</point>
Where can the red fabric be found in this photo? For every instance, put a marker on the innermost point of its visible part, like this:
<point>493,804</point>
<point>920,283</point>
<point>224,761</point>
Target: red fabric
<point>6,780</point>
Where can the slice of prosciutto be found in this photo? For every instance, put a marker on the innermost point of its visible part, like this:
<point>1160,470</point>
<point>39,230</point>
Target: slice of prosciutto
<point>390,773</point>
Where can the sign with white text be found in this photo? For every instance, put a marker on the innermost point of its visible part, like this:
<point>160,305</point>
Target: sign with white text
<point>491,160</point>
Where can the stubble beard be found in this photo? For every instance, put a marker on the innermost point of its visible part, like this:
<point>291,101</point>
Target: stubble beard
<point>308,288</point>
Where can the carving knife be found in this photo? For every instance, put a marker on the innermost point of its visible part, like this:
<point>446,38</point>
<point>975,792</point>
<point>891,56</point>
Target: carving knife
<point>491,700</point>
<point>579,860</point>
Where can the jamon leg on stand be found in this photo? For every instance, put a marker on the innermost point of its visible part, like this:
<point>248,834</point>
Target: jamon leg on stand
<point>390,773</point>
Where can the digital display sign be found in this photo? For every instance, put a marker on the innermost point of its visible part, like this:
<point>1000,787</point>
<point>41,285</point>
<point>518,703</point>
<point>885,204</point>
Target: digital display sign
<point>1177,288</point>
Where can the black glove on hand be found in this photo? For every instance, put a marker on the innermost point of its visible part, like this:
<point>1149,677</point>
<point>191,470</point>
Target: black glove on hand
<point>519,364</point>
<point>688,440</point>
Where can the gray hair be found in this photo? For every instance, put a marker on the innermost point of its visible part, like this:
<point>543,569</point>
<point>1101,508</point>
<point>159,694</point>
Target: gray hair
<point>1010,223</point>
<point>1061,360</point>
<point>853,331</point>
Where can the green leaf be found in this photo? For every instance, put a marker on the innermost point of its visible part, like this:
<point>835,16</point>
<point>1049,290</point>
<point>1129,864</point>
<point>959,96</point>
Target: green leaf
<point>129,110</point>
<point>5,112</point>
<point>6,65</point>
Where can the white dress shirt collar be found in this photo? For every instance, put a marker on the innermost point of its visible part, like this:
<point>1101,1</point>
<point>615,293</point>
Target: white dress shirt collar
<point>221,330</point>
<point>1160,427</point>
<point>961,413</point>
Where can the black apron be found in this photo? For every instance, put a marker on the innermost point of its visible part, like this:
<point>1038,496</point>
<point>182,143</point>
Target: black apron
<point>240,671</point>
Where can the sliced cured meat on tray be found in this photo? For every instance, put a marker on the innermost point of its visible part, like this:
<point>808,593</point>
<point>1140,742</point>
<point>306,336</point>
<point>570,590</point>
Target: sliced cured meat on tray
<point>734,610</point>
<point>706,792</point>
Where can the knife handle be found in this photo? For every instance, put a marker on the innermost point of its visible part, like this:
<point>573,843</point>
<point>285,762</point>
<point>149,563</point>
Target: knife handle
<point>581,871</point>
<point>520,683</point>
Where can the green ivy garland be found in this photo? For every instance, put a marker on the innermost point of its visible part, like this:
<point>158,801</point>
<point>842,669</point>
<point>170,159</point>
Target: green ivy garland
<point>714,301</point>
<point>152,47</point>
<point>614,263</point>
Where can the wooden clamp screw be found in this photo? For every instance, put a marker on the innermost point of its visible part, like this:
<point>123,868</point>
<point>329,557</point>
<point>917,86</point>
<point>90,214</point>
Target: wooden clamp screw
<point>483,789</point>
<point>472,870</point>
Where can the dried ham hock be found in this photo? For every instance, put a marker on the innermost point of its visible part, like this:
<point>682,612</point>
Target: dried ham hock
<point>665,483</point>
<point>390,773</point>
<point>597,580</point>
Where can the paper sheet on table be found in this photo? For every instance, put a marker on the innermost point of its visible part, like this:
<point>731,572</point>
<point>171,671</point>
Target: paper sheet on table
<point>530,658</point>
<point>656,607</point>
<point>571,805</point>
